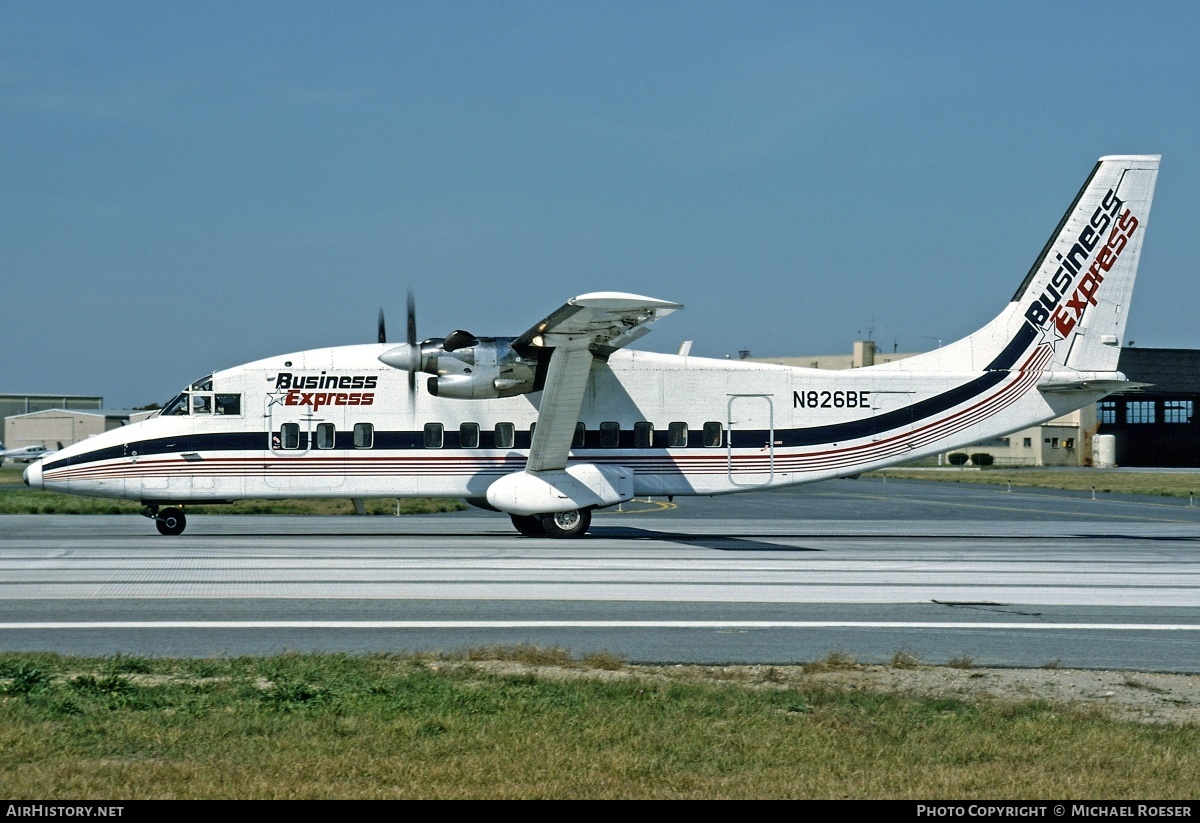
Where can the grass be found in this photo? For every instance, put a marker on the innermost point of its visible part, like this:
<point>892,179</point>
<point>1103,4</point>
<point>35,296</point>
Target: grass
<point>461,726</point>
<point>15,498</point>
<point>1160,484</point>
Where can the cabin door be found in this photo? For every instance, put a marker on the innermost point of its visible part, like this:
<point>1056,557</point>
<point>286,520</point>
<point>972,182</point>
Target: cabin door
<point>303,447</point>
<point>750,447</point>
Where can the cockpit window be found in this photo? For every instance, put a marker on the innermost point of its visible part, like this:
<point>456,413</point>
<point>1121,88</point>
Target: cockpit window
<point>178,405</point>
<point>190,401</point>
<point>199,399</point>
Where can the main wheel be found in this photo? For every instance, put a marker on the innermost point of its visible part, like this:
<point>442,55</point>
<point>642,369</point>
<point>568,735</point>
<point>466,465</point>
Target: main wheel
<point>528,525</point>
<point>574,523</point>
<point>170,521</point>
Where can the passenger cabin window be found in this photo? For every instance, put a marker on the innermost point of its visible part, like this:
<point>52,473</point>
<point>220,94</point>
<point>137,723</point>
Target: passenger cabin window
<point>578,440</point>
<point>714,434</point>
<point>643,435</point>
<point>468,436</point>
<point>505,433</point>
<point>434,433</point>
<point>364,435</point>
<point>326,435</point>
<point>229,404</point>
<point>677,435</point>
<point>610,435</point>
<point>289,436</point>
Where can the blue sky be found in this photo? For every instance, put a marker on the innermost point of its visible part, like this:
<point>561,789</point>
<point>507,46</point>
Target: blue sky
<point>188,186</point>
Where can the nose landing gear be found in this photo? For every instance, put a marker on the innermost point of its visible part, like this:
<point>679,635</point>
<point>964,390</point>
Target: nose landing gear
<point>168,521</point>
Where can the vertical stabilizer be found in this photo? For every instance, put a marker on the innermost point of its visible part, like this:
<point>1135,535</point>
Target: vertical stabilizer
<point>1075,298</point>
<point>1077,293</point>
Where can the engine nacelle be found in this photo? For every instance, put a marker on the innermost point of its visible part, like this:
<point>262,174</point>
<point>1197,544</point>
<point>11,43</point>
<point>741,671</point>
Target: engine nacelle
<point>490,368</point>
<point>469,368</point>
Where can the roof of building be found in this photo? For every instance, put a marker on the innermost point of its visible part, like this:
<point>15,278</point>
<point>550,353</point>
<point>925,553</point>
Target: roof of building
<point>117,414</point>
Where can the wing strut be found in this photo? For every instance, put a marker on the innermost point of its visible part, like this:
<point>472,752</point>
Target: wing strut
<point>566,381</point>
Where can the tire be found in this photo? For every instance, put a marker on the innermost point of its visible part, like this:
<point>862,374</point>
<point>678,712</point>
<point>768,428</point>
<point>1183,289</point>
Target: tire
<point>170,521</point>
<point>570,524</point>
<point>528,525</point>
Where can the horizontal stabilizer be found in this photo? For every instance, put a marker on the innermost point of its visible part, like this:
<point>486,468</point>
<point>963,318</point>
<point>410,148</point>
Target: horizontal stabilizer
<point>1092,386</point>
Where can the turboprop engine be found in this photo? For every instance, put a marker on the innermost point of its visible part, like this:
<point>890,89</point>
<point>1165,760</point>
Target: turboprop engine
<point>468,367</point>
<point>464,366</point>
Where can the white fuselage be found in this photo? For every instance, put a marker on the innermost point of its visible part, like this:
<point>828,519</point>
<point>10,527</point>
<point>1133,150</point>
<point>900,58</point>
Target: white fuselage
<point>684,426</point>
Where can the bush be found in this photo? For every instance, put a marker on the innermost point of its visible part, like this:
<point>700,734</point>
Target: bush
<point>957,458</point>
<point>982,459</point>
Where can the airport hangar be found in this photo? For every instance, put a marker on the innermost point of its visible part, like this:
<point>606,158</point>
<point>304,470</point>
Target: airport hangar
<point>1152,427</point>
<point>57,420</point>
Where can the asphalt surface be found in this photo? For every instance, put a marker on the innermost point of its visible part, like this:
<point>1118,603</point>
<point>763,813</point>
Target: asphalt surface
<point>940,571</point>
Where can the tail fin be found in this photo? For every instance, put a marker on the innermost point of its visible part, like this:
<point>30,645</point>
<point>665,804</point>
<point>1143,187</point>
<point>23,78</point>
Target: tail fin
<point>1076,296</point>
<point>1079,289</point>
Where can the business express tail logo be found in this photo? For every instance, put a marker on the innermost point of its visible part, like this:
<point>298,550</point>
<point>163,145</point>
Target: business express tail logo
<point>1049,309</point>
<point>302,389</point>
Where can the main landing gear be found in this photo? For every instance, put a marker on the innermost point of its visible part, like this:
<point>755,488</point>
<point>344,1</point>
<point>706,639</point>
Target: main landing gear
<point>168,521</point>
<point>574,523</point>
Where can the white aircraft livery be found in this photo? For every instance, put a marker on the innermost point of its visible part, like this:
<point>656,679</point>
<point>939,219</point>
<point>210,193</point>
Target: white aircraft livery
<point>563,419</point>
<point>26,454</point>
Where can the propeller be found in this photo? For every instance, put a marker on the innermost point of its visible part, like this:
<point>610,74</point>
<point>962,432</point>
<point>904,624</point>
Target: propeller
<point>382,328</point>
<point>412,339</point>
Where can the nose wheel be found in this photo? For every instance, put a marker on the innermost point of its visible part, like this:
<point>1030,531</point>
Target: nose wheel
<point>168,521</point>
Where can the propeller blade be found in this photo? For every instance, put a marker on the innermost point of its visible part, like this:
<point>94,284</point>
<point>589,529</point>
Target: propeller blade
<point>382,328</point>
<point>412,319</point>
<point>412,338</point>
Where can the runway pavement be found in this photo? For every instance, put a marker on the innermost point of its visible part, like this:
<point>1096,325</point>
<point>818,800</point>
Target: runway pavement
<point>866,568</point>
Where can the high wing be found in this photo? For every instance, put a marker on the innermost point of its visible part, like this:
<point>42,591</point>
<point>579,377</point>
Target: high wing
<point>585,328</point>
<point>607,320</point>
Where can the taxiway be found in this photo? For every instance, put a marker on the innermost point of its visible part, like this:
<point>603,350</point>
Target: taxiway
<point>939,571</point>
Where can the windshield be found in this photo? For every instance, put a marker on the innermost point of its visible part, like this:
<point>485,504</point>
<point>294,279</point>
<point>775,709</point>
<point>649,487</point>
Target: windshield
<point>180,403</point>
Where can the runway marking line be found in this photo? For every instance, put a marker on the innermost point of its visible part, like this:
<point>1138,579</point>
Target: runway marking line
<point>588,624</point>
<point>1025,510</point>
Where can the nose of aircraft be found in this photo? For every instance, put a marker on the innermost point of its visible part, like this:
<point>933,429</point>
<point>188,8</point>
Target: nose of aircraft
<point>33,475</point>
